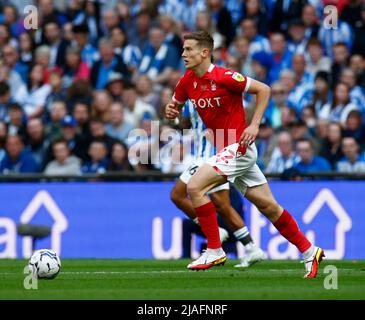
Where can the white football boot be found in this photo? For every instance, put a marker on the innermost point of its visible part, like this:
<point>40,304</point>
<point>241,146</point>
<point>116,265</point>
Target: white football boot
<point>209,258</point>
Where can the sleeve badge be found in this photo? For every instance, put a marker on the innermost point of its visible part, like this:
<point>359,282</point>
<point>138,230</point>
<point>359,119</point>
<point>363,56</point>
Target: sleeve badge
<point>238,77</point>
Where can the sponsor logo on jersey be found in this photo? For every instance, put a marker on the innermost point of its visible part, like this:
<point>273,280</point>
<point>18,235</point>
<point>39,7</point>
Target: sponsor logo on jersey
<point>238,77</point>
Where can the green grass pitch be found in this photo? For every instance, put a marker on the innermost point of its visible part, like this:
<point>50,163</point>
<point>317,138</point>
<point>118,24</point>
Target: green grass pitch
<point>167,280</point>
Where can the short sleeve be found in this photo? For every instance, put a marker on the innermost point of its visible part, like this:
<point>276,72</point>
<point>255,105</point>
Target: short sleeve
<point>180,95</point>
<point>236,82</point>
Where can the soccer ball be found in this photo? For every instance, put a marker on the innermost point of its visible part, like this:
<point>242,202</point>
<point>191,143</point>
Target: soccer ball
<point>44,264</point>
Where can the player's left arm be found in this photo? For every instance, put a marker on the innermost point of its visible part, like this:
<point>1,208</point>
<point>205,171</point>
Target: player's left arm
<point>262,92</point>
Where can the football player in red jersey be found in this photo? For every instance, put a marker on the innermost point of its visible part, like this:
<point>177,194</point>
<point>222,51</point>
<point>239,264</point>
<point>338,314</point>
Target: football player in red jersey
<point>216,93</point>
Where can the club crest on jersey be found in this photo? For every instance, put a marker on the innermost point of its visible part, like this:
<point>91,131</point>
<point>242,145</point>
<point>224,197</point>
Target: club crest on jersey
<point>238,77</point>
<point>214,85</point>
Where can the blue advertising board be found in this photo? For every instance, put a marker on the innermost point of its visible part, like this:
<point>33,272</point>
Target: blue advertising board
<point>138,220</point>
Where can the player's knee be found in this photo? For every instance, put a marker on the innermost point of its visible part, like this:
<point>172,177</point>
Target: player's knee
<point>269,208</point>
<point>194,190</point>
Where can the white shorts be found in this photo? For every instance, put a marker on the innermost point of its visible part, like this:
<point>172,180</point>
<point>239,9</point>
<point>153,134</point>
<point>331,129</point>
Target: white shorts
<point>189,172</point>
<point>241,170</point>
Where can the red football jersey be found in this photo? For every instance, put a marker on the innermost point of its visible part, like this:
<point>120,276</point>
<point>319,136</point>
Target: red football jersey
<point>217,96</point>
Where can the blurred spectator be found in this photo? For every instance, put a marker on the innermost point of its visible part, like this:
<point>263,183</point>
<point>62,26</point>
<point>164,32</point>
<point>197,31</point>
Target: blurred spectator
<point>6,37</point>
<point>284,11</point>
<point>16,121</point>
<point>17,159</point>
<point>135,107</point>
<point>110,20</point>
<point>42,57</point>
<point>48,11</point>
<point>118,128</point>
<point>248,29</point>
<point>300,131</point>
<point>311,21</point>
<point>265,142</point>
<point>297,40</point>
<point>254,10</point>
<point>58,92</point>
<point>241,47</point>
<point>138,33</point>
<point>299,91</point>
<point>108,63</point>
<point>98,132</point>
<point>37,142</point>
<point>359,31</point>
<point>89,53</point>
<point>67,32</point>
<point>222,19</point>
<point>261,64</point>
<point>75,69</point>
<point>357,94</point>
<point>284,156</point>
<point>281,55</point>
<point>37,92</point>
<point>12,62</point>
<point>315,61</point>
<point>322,130</point>
<point>331,147</point>
<point>130,54</point>
<point>65,162</point>
<point>81,114</point>
<point>308,161</point>
<point>119,158</point>
<point>102,101</point>
<point>144,86</point>
<point>357,64</point>
<point>276,105</point>
<point>321,93</point>
<point>355,127</point>
<point>115,85</point>
<point>58,45</point>
<point>11,19</point>
<point>5,100</point>
<point>352,161</point>
<point>98,162</point>
<point>76,143</point>
<point>351,12</point>
<point>12,78</point>
<point>57,113</point>
<point>341,105</point>
<point>171,30</point>
<point>26,49</point>
<point>309,117</point>
<point>160,58</point>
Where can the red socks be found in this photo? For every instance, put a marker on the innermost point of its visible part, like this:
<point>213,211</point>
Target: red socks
<point>207,218</point>
<point>289,229</point>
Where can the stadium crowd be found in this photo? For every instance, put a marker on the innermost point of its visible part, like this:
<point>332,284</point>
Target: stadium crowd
<point>73,90</point>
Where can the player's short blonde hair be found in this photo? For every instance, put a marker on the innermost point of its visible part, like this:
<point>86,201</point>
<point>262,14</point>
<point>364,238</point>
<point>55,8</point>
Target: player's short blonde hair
<point>203,38</point>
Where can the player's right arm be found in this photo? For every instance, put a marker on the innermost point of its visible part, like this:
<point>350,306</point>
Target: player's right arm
<point>173,108</point>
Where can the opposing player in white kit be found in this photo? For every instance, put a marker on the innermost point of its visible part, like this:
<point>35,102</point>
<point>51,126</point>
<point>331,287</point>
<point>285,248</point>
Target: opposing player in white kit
<point>202,151</point>
<point>217,95</point>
